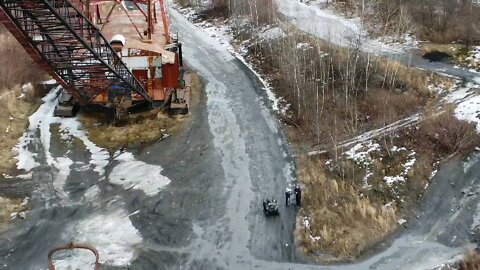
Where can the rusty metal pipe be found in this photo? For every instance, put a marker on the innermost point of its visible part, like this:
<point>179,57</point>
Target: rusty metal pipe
<point>70,246</point>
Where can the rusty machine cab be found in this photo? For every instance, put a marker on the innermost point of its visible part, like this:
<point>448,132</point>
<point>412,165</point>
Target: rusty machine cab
<point>145,46</point>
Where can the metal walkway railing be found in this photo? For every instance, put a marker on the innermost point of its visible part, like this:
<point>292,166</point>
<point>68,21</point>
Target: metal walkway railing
<point>69,47</point>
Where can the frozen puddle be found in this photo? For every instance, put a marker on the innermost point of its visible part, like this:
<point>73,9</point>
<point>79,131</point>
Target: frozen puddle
<point>131,173</point>
<point>112,234</point>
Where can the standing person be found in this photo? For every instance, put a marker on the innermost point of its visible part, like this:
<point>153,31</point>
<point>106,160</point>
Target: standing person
<point>288,192</point>
<point>298,195</point>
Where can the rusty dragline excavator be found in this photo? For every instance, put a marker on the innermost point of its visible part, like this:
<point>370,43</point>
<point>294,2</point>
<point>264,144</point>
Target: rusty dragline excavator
<point>108,52</point>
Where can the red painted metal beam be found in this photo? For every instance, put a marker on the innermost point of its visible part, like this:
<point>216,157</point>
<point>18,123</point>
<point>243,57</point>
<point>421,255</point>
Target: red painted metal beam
<point>35,55</point>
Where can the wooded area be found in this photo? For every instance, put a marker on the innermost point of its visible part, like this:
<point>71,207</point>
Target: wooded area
<point>440,21</point>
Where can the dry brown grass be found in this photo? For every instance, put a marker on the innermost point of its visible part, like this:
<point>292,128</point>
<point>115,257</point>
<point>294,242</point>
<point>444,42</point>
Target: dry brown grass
<point>140,128</point>
<point>470,261</point>
<point>16,68</point>
<point>346,222</point>
<point>16,112</point>
<point>9,206</point>
<point>445,135</point>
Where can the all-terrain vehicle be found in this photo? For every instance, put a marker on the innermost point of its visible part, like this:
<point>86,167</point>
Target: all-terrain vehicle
<point>270,207</point>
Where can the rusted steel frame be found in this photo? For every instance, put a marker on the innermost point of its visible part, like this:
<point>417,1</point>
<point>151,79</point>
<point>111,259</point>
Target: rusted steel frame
<point>131,21</point>
<point>95,2</point>
<point>97,13</point>
<point>46,17</point>
<point>33,51</point>
<point>71,246</point>
<point>155,13</point>
<point>165,23</point>
<point>109,15</point>
<point>129,79</point>
<point>141,10</point>
<point>149,20</point>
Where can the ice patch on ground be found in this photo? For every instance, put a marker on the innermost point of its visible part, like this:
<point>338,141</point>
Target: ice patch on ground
<point>99,156</point>
<point>131,173</point>
<point>112,234</point>
<point>62,164</point>
<point>477,80</point>
<point>476,219</point>
<point>39,133</point>
<point>41,121</point>
<point>469,110</point>
<point>459,94</point>
<point>91,193</point>
<point>26,158</point>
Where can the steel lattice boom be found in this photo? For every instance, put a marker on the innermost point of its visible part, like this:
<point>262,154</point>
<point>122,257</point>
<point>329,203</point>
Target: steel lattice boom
<point>66,44</point>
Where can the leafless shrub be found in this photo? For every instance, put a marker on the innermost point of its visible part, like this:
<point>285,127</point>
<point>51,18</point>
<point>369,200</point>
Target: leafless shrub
<point>16,67</point>
<point>438,21</point>
<point>259,12</point>
<point>445,134</point>
<point>335,92</point>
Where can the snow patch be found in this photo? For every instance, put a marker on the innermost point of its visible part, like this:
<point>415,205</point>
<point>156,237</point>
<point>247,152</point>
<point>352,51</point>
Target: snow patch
<point>49,82</point>
<point>272,34</point>
<point>360,152</point>
<point>41,119</point>
<point>39,133</point>
<point>112,234</point>
<point>62,164</point>
<point>473,59</point>
<point>390,180</point>
<point>131,173</point>
<point>91,193</point>
<point>71,127</point>
<point>303,46</point>
<point>469,110</point>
